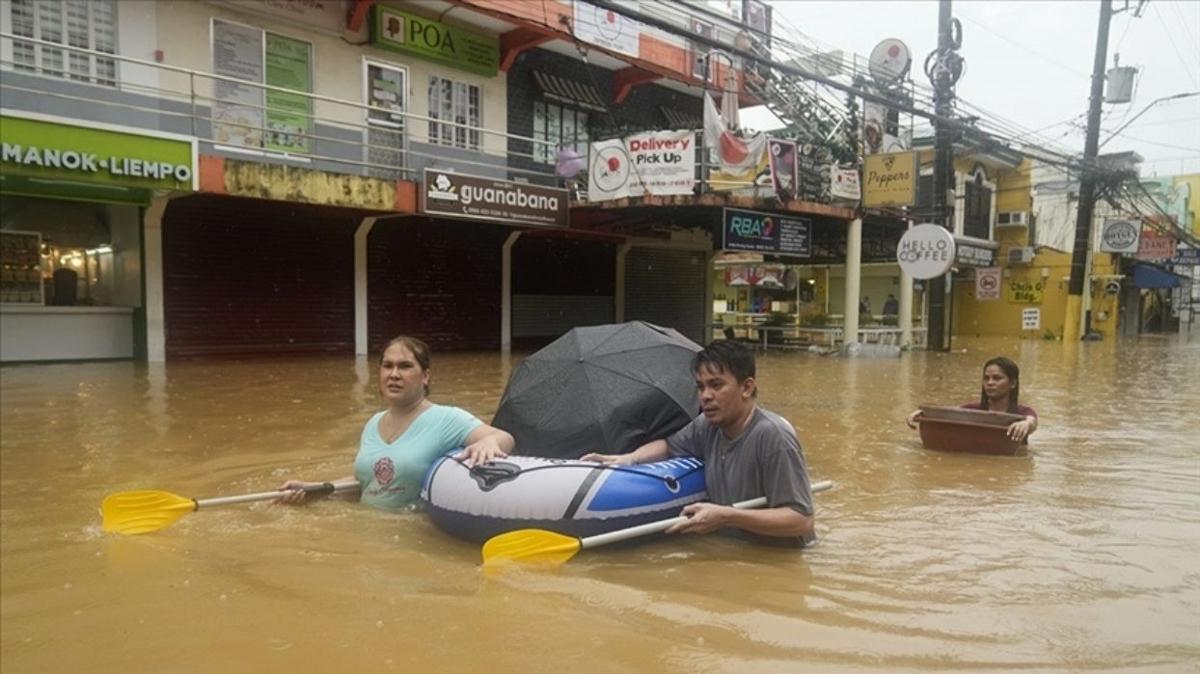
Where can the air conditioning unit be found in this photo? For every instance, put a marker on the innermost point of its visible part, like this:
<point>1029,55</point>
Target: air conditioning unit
<point>1012,218</point>
<point>1023,255</point>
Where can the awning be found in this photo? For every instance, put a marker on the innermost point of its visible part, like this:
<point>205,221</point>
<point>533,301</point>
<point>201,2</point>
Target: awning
<point>677,119</point>
<point>569,91</point>
<point>1149,276</point>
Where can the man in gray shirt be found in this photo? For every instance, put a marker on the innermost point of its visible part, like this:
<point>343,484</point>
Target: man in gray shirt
<point>747,451</point>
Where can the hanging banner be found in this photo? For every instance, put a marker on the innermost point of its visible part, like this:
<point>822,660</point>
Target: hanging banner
<point>783,168</point>
<point>890,179</point>
<point>1120,236</point>
<point>660,163</point>
<point>843,183</point>
<point>766,233</point>
<point>1156,247</point>
<point>606,28</point>
<point>987,284</point>
<point>739,161</point>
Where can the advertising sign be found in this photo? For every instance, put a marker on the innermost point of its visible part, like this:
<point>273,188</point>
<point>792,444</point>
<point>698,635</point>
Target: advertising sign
<point>460,196</point>
<point>890,179</point>
<point>431,39</point>
<point>770,233</point>
<point>328,15</point>
<point>1186,256</point>
<point>289,116</point>
<point>971,252</point>
<point>658,162</point>
<point>987,284</point>
<point>1156,246</point>
<point>843,183</point>
<point>782,155</point>
<point>926,251</point>
<point>49,151</point>
<point>1120,236</point>
<point>606,28</point>
<point>1031,319</point>
<point>1024,291</point>
<point>237,108</point>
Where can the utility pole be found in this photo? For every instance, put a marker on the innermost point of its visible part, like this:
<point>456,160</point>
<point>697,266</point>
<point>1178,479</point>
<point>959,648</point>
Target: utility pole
<point>1075,321</point>
<point>944,74</point>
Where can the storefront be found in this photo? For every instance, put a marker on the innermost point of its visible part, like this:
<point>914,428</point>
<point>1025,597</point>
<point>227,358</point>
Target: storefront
<point>70,228</point>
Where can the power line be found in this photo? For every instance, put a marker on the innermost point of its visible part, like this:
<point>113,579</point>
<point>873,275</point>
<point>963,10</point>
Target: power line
<point>1036,53</point>
<point>1186,67</point>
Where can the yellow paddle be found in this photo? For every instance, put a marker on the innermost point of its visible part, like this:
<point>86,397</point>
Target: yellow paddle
<point>548,547</point>
<point>143,511</point>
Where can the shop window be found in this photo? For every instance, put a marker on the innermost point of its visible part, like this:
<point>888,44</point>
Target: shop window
<point>84,24</point>
<point>460,103</point>
<point>560,127</point>
<point>252,116</point>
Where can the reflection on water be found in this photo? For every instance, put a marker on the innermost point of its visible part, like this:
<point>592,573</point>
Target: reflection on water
<point>1081,555</point>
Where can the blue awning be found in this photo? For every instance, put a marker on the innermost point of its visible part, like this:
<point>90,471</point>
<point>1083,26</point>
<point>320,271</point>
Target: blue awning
<point>1149,276</point>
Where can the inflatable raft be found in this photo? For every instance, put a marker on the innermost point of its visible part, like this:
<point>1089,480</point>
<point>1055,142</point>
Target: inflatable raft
<point>577,498</point>
<point>954,429</point>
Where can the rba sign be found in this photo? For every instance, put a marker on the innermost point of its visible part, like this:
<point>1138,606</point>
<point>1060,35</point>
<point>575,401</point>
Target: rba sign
<point>460,196</point>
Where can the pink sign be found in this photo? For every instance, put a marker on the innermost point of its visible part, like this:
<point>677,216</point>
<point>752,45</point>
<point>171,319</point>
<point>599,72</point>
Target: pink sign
<point>1155,246</point>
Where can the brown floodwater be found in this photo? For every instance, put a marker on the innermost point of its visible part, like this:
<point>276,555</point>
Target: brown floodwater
<point>1083,555</point>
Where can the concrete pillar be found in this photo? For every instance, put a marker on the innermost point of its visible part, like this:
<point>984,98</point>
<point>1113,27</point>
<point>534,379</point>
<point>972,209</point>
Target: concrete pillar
<point>619,293</point>
<point>361,336</point>
<point>156,324</point>
<point>906,307</point>
<point>853,280</point>
<point>710,269</point>
<point>506,291</point>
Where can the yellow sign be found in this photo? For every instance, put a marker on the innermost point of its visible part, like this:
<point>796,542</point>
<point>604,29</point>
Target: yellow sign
<point>890,179</point>
<point>1026,292</point>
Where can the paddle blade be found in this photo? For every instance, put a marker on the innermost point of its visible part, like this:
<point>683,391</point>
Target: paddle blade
<point>140,512</point>
<point>530,545</point>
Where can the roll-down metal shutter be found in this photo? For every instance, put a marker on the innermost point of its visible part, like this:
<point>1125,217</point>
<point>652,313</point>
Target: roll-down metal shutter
<point>666,287</point>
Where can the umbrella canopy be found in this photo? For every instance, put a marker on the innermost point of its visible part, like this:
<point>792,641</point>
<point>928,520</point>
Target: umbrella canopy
<point>604,388</point>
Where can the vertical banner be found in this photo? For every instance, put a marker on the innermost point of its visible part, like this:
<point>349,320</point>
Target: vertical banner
<point>289,116</point>
<point>987,284</point>
<point>783,168</point>
<point>660,163</point>
<point>237,108</point>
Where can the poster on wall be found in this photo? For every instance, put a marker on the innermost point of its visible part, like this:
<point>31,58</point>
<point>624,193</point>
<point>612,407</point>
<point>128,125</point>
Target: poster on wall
<point>237,108</point>
<point>783,168</point>
<point>289,115</point>
<point>987,284</point>
<point>606,28</point>
<point>660,163</point>
<point>1031,319</point>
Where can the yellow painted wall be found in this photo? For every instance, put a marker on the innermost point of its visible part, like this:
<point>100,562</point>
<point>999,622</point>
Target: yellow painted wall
<point>1193,181</point>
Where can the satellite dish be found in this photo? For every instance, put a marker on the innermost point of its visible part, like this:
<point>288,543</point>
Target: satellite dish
<point>890,61</point>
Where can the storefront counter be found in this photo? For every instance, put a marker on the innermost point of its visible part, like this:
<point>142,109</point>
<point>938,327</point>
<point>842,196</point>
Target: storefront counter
<point>41,333</point>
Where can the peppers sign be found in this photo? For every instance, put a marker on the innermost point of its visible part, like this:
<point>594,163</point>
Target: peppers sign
<point>51,151</point>
<point>926,251</point>
<point>890,179</point>
<point>431,39</point>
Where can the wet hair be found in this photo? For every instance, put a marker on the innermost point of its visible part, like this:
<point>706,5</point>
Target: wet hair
<point>420,351</point>
<point>1010,370</point>
<point>724,355</point>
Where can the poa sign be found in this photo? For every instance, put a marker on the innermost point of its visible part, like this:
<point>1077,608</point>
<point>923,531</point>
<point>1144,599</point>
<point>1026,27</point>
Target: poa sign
<point>926,251</point>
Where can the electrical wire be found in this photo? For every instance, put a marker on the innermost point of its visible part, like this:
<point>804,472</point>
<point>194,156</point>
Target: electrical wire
<point>1182,61</point>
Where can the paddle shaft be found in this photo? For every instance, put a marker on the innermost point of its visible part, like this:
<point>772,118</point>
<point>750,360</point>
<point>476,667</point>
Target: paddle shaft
<point>316,489</point>
<point>655,527</point>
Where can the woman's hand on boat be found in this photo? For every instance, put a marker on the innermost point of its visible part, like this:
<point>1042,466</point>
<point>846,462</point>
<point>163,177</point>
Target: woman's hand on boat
<point>609,459</point>
<point>912,419</point>
<point>485,450</point>
<point>292,492</point>
<point>702,518</point>
<point>1019,430</point>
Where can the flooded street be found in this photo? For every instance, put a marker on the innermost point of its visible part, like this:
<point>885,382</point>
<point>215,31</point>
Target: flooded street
<point>1081,556</point>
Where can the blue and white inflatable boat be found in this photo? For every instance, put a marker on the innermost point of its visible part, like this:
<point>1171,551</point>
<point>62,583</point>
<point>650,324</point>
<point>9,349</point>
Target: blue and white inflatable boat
<point>577,498</point>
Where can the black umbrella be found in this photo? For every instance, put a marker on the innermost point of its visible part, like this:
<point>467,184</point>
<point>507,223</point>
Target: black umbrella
<point>605,388</point>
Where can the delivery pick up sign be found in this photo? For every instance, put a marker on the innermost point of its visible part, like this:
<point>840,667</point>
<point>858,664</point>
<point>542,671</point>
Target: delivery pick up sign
<point>661,162</point>
<point>926,251</point>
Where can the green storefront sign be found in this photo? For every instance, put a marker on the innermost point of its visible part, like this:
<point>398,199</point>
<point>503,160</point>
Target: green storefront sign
<point>431,39</point>
<point>50,158</point>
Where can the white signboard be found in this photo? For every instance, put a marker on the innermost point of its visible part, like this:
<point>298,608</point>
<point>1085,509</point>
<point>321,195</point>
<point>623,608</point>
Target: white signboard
<point>926,251</point>
<point>987,283</point>
<point>606,28</point>
<point>1031,319</point>
<point>1120,236</point>
<point>237,108</point>
<point>844,183</point>
<point>328,15</point>
<point>659,162</point>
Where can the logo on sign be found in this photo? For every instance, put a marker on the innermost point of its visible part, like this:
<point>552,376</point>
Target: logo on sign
<point>1119,236</point>
<point>752,227</point>
<point>610,168</point>
<point>926,251</point>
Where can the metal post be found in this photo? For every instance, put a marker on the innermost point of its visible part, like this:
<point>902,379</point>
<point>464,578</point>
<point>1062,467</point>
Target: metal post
<point>906,313</point>
<point>853,280</point>
<point>1075,319</point>
<point>937,337</point>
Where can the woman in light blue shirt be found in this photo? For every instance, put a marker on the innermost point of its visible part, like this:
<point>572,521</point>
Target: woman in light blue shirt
<point>400,443</point>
